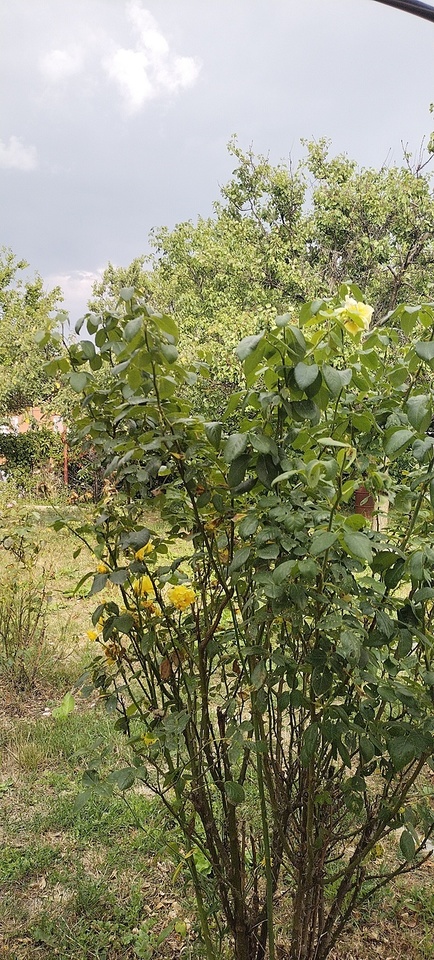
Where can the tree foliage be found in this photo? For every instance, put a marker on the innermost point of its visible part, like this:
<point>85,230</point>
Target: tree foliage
<point>25,308</point>
<point>275,680</point>
<point>280,234</point>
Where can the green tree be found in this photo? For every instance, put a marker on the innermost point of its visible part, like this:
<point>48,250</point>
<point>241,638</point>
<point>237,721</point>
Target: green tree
<point>275,680</point>
<point>278,235</point>
<point>25,308</point>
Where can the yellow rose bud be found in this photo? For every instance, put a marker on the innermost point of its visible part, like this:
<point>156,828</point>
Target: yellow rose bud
<point>102,568</point>
<point>142,587</point>
<point>144,551</point>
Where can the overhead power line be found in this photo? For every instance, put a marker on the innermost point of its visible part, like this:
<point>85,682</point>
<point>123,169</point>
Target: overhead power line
<point>419,9</point>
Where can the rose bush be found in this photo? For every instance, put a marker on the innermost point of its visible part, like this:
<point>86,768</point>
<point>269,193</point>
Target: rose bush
<point>273,674</point>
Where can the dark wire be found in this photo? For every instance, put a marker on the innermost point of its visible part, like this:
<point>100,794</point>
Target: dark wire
<point>419,9</point>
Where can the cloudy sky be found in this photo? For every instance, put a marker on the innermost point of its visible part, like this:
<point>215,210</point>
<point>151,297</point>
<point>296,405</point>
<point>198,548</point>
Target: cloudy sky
<point>115,114</point>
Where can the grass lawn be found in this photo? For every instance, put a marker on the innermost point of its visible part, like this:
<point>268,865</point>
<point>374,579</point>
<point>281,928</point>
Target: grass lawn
<point>102,882</point>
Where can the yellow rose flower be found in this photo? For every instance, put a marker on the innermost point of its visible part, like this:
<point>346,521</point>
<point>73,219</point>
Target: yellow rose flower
<point>102,568</point>
<point>92,634</point>
<point>181,597</point>
<point>356,316</point>
<point>144,551</point>
<point>142,587</point>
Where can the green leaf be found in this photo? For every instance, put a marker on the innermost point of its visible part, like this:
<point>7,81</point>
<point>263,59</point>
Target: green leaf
<point>166,323</point>
<point>78,381</point>
<point>396,442</point>
<point>98,584</point>
<point>87,349</point>
<point>394,574</point>
<point>402,752</point>
<point>322,542</point>
<point>305,410</point>
<point>308,569</point>
<point>124,778</point>
<point>296,342</point>
<point>124,623</point>
<point>305,374</point>
<point>367,749</point>
<point>119,576</point>
<point>333,379</point>
<point>132,328</point>
<point>419,412</point>
<point>407,845</point>
<point>262,443</point>
<point>383,560</point>
<point>349,645</point>
<point>127,293</point>
<point>81,799</point>
<point>234,792</point>
<point>416,566</point>
<point>283,571</point>
<point>237,471</point>
<point>169,351</point>
<point>357,544</point>
<point>240,557</point>
<point>309,744</point>
<point>425,350</point>
<point>266,470</point>
<point>213,432</point>
<point>65,708</point>
<point>248,526</point>
<point>269,551</point>
<point>234,446</point>
<point>259,676</point>
<point>331,442</point>
<point>248,345</point>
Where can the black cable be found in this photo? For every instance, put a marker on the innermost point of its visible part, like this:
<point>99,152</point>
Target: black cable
<point>420,9</point>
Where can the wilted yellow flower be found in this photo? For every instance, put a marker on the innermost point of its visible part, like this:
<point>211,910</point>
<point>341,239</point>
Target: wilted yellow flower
<point>142,587</point>
<point>148,739</point>
<point>377,851</point>
<point>113,652</point>
<point>181,597</point>
<point>150,608</point>
<point>356,315</point>
<point>144,551</point>
<point>102,568</point>
<point>92,634</point>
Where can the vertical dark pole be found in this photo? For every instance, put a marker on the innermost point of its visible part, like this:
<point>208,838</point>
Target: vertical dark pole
<point>65,458</point>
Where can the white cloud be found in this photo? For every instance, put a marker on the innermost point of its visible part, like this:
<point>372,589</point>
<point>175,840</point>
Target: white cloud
<point>151,69</point>
<point>61,64</point>
<point>15,154</point>
<point>77,288</point>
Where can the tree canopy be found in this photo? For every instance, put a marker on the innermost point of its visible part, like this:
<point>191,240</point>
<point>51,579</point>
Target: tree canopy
<point>25,308</point>
<point>278,234</point>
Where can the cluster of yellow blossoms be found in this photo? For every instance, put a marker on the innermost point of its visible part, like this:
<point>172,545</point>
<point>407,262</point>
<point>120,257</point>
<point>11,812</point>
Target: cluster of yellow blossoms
<point>180,596</point>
